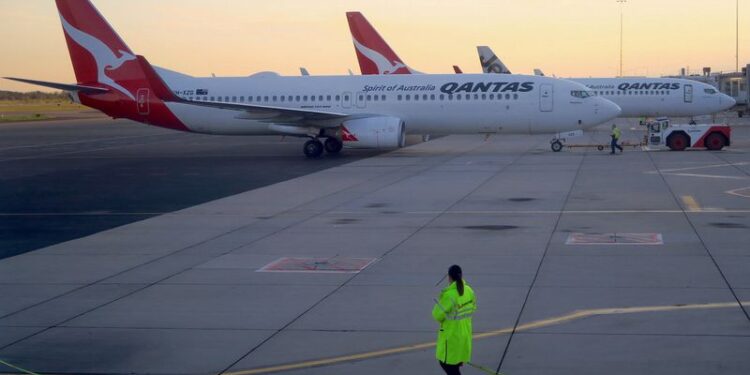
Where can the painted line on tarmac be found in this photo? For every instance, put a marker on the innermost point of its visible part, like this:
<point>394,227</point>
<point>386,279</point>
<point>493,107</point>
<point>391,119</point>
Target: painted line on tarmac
<point>577,315</point>
<point>737,192</point>
<point>691,204</point>
<point>706,176</point>
<point>672,170</point>
<point>549,212</point>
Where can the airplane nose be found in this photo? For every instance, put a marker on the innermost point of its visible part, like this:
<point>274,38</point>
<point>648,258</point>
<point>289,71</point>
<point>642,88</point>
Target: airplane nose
<point>608,110</point>
<point>727,101</point>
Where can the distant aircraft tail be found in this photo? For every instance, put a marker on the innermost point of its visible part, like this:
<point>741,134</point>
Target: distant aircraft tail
<point>457,69</point>
<point>490,62</point>
<point>374,54</point>
<point>114,79</point>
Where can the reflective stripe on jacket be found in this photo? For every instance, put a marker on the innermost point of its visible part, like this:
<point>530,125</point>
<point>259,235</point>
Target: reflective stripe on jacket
<point>454,314</point>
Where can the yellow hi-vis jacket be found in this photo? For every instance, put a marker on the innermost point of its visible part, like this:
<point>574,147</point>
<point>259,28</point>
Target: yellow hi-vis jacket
<point>616,133</point>
<point>454,313</point>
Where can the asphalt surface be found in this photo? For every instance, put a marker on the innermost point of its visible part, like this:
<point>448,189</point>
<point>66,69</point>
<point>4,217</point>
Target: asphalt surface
<point>582,263</point>
<point>61,180</point>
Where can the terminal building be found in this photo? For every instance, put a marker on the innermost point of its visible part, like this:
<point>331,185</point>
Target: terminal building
<point>734,84</point>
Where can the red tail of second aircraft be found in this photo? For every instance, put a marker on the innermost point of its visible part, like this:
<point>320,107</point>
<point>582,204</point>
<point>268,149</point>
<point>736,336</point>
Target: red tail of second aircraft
<point>374,54</point>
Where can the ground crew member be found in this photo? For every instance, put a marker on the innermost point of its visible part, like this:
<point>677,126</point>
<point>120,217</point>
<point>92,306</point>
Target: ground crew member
<point>616,134</point>
<point>453,310</point>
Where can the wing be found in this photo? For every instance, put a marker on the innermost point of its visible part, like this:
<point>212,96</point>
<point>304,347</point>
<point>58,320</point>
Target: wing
<point>282,115</point>
<point>61,86</point>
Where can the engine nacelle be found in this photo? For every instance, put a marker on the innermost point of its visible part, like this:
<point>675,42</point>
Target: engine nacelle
<point>374,132</point>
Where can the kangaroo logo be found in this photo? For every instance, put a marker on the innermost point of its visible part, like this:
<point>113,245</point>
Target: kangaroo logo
<point>105,58</point>
<point>384,65</point>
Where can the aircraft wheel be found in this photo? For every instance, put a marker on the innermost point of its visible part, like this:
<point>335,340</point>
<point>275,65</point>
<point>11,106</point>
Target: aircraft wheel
<point>715,142</point>
<point>313,148</point>
<point>556,146</point>
<point>333,145</point>
<point>678,142</point>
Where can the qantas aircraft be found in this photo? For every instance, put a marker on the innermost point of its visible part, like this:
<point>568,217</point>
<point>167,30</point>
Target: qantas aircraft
<point>647,97</point>
<point>638,97</point>
<point>356,111</point>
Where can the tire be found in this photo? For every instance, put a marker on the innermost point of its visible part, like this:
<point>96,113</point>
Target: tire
<point>715,141</point>
<point>333,145</point>
<point>678,142</point>
<point>556,146</point>
<point>313,148</point>
<point>600,148</point>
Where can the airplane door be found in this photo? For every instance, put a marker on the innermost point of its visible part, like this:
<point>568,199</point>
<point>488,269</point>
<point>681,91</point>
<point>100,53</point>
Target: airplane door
<point>688,93</point>
<point>360,100</point>
<point>546,98</point>
<point>346,100</point>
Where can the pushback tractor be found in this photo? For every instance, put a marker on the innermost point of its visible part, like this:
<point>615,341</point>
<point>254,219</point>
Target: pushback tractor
<point>680,137</point>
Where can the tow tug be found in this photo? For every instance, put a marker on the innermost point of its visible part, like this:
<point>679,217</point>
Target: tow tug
<point>660,133</point>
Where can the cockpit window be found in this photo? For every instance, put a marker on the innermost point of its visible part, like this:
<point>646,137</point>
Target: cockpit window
<point>710,91</point>
<point>581,94</point>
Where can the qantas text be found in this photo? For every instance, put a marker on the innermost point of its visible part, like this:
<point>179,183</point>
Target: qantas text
<point>454,88</point>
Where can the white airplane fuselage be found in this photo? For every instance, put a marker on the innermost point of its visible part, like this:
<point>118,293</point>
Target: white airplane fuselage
<point>495,104</point>
<point>655,97</point>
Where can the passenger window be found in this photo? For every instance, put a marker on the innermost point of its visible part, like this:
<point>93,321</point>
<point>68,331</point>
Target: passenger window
<point>312,98</point>
<point>290,98</point>
<point>476,96</point>
<point>320,98</point>
<point>492,96</point>
<point>328,98</point>
<point>399,97</point>
<point>212,99</point>
<point>361,98</point>
<point>375,98</point>
<point>408,97</point>
<point>442,97</point>
<point>416,97</point>
<point>382,97</point>
<point>274,98</point>
<point>282,97</point>
<point>369,98</point>
<point>507,96</point>
<point>338,97</point>
<point>304,98</point>
<point>458,96</point>
<point>297,98</point>
<point>515,96</point>
<point>234,99</point>
<point>484,96</point>
<point>424,97</point>
<point>346,97</point>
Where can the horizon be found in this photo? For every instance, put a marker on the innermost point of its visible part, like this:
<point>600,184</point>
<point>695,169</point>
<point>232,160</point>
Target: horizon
<point>567,38</point>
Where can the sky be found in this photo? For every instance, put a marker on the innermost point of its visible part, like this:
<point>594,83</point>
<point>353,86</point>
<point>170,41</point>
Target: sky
<point>567,38</point>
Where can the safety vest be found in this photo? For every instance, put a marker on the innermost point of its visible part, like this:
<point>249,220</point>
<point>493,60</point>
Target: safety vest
<point>616,133</point>
<point>454,313</point>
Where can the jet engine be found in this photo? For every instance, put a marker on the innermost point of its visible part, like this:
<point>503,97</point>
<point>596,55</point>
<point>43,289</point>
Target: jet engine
<point>374,132</point>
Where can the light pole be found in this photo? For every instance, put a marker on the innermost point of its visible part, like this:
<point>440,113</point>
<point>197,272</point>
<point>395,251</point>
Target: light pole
<point>622,2</point>
<point>737,46</point>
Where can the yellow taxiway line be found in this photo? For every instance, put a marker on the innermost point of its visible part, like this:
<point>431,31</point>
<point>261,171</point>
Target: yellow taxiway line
<point>504,331</point>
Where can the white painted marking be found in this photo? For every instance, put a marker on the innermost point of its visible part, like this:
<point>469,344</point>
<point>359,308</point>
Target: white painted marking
<point>739,192</point>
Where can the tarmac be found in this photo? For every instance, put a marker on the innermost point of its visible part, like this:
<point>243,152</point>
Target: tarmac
<point>582,262</point>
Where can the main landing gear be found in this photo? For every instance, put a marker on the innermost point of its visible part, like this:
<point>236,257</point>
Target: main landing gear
<point>314,147</point>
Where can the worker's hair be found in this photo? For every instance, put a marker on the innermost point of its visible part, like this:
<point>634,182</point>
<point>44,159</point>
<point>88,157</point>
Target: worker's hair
<point>456,275</point>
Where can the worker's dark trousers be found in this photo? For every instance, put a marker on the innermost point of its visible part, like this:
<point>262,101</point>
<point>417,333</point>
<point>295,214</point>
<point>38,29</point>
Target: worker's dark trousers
<point>614,145</point>
<point>451,369</point>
